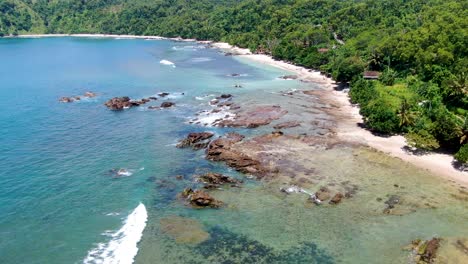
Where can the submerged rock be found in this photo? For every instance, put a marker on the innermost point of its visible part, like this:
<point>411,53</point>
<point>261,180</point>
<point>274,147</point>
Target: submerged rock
<point>184,230</point>
<point>391,202</point>
<point>214,180</point>
<point>89,94</point>
<point>337,198</point>
<point>323,194</point>
<point>163,94</point>
<point>289,77</point>
<point>287,125</point>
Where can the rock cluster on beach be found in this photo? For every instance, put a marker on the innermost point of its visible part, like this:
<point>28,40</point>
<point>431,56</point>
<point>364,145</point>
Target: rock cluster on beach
<point>70,99</point>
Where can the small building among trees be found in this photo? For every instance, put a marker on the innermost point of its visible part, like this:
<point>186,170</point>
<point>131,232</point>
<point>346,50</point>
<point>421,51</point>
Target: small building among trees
<point>371,75</point>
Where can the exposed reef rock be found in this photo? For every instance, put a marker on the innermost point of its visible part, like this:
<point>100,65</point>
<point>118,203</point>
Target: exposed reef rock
<point>196,140</point>
<point>258,116</point>
<point>424,251</point>
<point>287,125</point>
<point>337,198</point>
<point>200,199</point>
<point>119,103</point>
<point>215,180</point>
<point>167,104</point>
<point>70,99</point>
<point>221,150</point>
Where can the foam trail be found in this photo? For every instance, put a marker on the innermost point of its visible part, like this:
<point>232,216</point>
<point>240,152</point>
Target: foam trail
<point>166,62</point>
<point>122,247</point>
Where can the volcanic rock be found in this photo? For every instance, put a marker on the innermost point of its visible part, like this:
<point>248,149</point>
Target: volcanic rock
<point>167,104</point>
<point>337,198</point>
<point>66,100</point>
<point>196,140</point>
<point>201,199</point>
<point>118,103</point>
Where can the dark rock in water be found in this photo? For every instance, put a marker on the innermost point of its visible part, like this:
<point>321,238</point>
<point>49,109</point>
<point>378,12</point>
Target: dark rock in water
<point>201,199</point>
<point>77,98</point>
<point>164,94</point>
<point>196,140</point>
<point>234,74</point>
<point>66,100</point>
<point>237,85</point>
<point>337,198</point>
<point>228,54</point>
<point>152,98</point>
<point>323,194</point>
<point>118,103</point>
<point>216,179</point>
<point>179,177</point>
<point>225,96</point>
<point>391,202</point>
<point>186,192</point>
<point>287,125</point>
<point>167,104</point>
<point>277,133</point>
<point>289,77</point>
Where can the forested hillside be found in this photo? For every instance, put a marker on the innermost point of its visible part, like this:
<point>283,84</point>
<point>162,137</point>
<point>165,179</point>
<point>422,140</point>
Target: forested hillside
<point>419,46</point>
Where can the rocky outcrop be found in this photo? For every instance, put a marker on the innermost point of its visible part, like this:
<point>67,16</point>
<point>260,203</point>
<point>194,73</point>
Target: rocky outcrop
<point>163,94</point>
<point>258,116</point>
<point>391,202</point>
<point>424,252</point>
<point>66,99</point>
<point>215,180</point>
<point>221,150</point>
<point>196,140</point>
<point>200,199</point>
<point>286,125</point>
<point>167,104</point>
<point>70,99</point>
<point>119,103</point>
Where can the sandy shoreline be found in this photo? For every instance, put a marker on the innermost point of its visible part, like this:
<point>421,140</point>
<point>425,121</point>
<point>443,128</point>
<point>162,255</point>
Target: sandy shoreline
<point>349,117</point>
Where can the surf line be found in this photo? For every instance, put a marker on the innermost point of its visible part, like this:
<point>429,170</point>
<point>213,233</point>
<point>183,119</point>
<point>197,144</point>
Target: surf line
<point>122,248</point>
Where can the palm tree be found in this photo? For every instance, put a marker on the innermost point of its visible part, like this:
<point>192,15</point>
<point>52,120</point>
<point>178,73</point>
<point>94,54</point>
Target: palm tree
<point>459,84</point>
<point>405,114</point>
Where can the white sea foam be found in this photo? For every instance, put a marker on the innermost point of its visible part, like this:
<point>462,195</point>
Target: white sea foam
<point>201,59</point>
<point>200,98</point>
<point>122,247</point>
<point>207,118</point>
<point>166,62</point>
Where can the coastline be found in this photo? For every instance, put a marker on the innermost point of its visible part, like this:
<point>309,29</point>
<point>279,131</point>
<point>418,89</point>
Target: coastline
<point>347,114</point>
<point>349,119</point>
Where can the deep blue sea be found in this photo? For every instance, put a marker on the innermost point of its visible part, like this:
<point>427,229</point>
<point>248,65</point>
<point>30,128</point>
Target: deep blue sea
<point>58,201</point>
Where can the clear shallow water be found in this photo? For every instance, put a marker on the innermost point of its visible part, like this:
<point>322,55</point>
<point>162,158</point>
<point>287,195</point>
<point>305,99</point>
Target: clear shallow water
<point>56,197</point>
<point>58,203</point>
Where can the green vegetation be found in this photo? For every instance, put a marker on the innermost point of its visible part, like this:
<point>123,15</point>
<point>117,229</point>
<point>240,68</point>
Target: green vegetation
<point>419,46</point>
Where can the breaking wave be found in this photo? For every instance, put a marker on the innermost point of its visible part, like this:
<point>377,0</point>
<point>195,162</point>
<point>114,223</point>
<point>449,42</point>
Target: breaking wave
<point>122,248</point>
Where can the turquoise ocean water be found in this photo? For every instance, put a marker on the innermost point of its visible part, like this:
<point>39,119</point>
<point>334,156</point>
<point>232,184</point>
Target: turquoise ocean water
<point>57,199</point>
<point>60,204</point>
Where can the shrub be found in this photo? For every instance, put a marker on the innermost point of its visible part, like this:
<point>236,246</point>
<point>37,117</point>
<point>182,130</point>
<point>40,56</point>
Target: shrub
<point>422,139</point>
<point>362,91</point>
<point>380,117</point>
<point>462,154</point>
